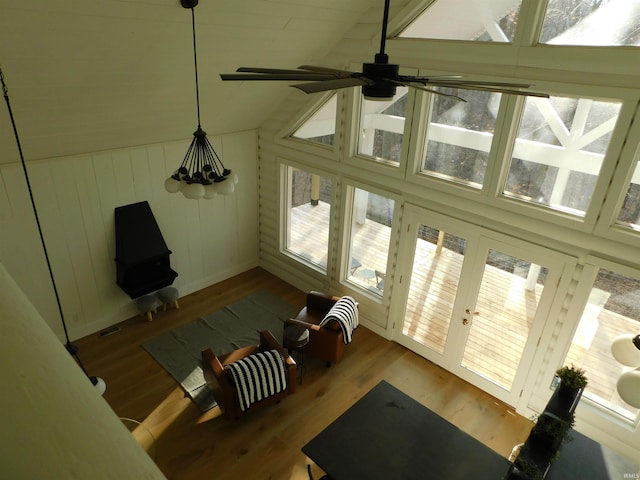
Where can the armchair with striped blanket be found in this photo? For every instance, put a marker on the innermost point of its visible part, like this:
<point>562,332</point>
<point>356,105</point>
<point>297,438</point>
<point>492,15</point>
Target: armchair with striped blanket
<point>331,321</point>
<point>251,377</point>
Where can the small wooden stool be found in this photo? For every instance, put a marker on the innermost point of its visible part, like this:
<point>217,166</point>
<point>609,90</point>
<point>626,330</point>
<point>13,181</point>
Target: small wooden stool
<point>167,296</point>
<point>147,304</point>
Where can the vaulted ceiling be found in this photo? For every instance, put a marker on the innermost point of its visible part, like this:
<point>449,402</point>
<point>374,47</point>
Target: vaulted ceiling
<point>104,74</point>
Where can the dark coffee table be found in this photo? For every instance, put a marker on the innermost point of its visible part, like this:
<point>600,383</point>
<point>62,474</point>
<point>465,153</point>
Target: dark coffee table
<point>580,457</point>
<point>388,435</point>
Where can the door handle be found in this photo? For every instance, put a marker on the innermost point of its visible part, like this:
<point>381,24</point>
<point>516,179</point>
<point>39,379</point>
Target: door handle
<point>469,312</point>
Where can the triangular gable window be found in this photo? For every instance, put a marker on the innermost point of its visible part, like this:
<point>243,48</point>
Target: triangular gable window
<point>476,20</point>
<point>320,127</point>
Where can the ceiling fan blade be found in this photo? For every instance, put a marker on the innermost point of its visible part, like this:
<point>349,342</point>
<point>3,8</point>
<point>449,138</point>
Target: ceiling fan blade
<point>268,70</point>
<point>313,68</point>
<point>425,80</point>
<point>472,83</point>
<point>299,76</point>
<point>430,90</point>
<point>459,80</point>
<point>334,84</point>
<point>489,88</point>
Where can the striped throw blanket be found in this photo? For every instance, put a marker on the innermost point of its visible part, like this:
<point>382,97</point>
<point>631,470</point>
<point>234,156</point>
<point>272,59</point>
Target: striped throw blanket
<point>345,312</point>
<point>258,376</point>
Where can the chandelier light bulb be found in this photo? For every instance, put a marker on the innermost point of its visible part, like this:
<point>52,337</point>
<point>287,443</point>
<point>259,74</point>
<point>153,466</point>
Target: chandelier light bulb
<point>192,191</point>
<point>172,184</point>
<point>227,187</point>
<point>628,387</point>
<point>100,385</point>
<point>625,352</point>
<point>210,191</point>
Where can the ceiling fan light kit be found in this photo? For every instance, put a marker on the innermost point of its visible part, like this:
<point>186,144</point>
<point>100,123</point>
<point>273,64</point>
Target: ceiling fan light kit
<point>378,80</point>
<point>201,173</point>
<point>381,68</point>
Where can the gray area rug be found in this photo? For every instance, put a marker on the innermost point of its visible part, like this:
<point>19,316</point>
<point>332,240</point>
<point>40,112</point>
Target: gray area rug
<point>235,326</point>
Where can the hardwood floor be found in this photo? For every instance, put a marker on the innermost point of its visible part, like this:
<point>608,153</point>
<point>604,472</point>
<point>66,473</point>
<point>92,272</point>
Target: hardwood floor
<point>267,445</point>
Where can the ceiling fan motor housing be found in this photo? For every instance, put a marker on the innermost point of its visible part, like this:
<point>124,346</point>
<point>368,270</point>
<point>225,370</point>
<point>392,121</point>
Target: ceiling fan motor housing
<point>381,88</point>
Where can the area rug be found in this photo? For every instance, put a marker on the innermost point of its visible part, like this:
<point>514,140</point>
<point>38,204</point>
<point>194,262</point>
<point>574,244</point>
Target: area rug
<point>235,326</point>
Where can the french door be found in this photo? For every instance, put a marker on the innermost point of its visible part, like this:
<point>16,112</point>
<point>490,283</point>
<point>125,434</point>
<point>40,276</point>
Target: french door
<point>476,301</point>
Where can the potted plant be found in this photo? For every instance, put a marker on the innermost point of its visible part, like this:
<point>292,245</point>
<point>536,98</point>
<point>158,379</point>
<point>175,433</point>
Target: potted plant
<point>572,378</point>
<point>524,470</point>
<point>551,430</point>
<point>568,393</point>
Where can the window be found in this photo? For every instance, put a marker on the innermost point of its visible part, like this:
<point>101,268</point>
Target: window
<point>321,126</point>
<point>382,126</point>
<point>308,210</point>
<point>591,22</point>
<point>476,20</point>
<point>559,149</point>
<point>369,240</point>
<point>459,135</point>
<point>613,309</point>
<point>630,212</point>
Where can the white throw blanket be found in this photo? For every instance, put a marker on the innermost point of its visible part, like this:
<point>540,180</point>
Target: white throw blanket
<point>258,376</point>
<point>345,312</point>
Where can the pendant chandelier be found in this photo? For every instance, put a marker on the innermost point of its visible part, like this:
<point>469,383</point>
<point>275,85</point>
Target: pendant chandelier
<point>97,382</point>
<point>201,174</point>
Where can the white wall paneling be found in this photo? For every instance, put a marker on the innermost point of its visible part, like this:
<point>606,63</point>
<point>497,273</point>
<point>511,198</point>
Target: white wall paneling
<point>76,197</point>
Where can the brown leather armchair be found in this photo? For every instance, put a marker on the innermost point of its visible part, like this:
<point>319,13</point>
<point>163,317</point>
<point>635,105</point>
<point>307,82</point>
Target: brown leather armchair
<point>222,384</point>
<point>326,342</point>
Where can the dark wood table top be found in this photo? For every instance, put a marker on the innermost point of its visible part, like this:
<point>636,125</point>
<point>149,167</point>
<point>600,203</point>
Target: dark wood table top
<point>580,457</point>
<point>388,435</point>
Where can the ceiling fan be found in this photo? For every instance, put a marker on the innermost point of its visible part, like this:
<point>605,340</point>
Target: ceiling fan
<point>378,80</point>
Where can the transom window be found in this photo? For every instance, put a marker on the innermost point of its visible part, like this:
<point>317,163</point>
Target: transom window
<point>591,22</point>
<point>630,212</point>
<point>460,134</point>
<point>559,149</point>
<point>566,22</point>
<point>382,126</point>
<point>478,20</point>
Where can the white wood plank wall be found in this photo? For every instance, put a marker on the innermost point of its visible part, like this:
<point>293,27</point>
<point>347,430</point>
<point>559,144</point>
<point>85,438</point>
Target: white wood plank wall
<point>271,152</point>
<point>76,196</point>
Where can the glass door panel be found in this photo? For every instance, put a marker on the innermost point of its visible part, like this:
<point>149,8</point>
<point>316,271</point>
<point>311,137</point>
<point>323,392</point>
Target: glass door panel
<point>437,265</point>
<point>475,302</point>
<point>505,310</point>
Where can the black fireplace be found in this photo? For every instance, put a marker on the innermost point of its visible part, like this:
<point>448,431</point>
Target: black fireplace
<point>142,256</point>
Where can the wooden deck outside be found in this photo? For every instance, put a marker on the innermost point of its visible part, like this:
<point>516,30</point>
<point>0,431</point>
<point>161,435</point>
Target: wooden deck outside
<point>496,341</point>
